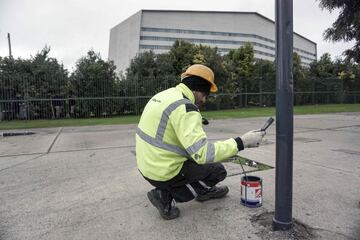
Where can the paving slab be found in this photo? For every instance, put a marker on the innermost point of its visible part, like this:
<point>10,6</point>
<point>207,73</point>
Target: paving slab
<point>83,138</point>
<point>28,144</point>
<point>88,186</point>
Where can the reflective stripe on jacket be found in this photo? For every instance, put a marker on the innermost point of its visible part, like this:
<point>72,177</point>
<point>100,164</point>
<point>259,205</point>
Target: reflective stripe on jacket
<point>170,132</point>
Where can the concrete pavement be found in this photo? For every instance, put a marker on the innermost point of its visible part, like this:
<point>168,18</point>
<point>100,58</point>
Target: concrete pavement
<point>82,183</point>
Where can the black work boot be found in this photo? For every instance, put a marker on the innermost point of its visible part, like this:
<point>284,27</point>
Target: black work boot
<point>163,202</point>
<point>213,192</point>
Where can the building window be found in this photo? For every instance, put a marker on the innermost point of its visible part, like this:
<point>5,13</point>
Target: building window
<point>214,41</point>
<point>200,32</point>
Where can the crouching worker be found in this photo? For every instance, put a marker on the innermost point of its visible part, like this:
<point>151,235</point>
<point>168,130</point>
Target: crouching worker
<point>172,150</point>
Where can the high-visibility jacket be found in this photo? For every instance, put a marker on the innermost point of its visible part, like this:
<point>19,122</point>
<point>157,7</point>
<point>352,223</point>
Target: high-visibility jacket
<point>170,132</point>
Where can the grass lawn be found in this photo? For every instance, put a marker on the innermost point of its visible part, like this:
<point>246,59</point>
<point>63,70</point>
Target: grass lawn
<point>234,113</point>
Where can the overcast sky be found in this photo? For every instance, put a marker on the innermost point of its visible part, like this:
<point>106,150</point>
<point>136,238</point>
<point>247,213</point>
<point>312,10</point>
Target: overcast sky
<point>72,27</point>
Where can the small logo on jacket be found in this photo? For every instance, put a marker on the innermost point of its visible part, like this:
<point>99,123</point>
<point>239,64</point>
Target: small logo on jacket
<point>156,100</point>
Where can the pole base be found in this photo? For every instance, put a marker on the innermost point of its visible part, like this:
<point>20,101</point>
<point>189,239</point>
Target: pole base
<point>281,226</point>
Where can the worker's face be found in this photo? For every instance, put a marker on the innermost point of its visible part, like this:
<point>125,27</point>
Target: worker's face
<point>200,98</point>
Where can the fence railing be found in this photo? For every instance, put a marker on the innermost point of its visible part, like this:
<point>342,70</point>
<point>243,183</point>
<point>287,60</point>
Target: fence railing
<point>26,98</point>
<point>119,106</point>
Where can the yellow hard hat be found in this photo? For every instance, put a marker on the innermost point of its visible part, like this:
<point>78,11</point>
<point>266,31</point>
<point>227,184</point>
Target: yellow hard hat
<point>201,71</point>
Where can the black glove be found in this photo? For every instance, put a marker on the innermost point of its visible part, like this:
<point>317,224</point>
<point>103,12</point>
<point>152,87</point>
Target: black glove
<point>205,121</point>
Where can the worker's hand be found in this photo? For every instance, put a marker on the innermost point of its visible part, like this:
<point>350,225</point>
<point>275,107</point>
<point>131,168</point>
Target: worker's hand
<point>205,121</point>
<point>252,138</point>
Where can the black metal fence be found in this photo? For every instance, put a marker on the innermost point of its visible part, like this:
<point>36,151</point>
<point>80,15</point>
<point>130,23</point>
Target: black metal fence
<point>39,98</point>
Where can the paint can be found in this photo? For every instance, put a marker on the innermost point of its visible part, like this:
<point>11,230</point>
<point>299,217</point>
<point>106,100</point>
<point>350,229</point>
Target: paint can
<point>251,191</point>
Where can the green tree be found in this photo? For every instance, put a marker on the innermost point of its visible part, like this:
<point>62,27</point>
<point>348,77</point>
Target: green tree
<point>147,74</point>
<point>324,68</point>
<point>94,78</point>
<point>323,76</point>
<point>182,55</point>
<point>347,26</point>
<point>50,77</point>
<point>37,77</point>
<point>298,70</point>
<point>265,74</point>
<point>14,76</point>
<point>141,75</point>
<point>356,71</point>
<point>346,73</point>
<point>239,64</point>
<point>150,73</point>
<point>143,65</point>
<point>40,77</point>
<point>302,84</point>
<point>11,66</point>
<point>166,72</point>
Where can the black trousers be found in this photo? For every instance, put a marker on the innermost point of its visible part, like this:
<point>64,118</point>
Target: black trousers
<point>193,179</point>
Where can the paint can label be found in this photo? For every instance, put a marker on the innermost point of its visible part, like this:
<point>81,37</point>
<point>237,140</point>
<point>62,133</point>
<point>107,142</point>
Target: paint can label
<point>251,191</point>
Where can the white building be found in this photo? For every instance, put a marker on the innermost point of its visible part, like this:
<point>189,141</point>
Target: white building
<point>158,29</point>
